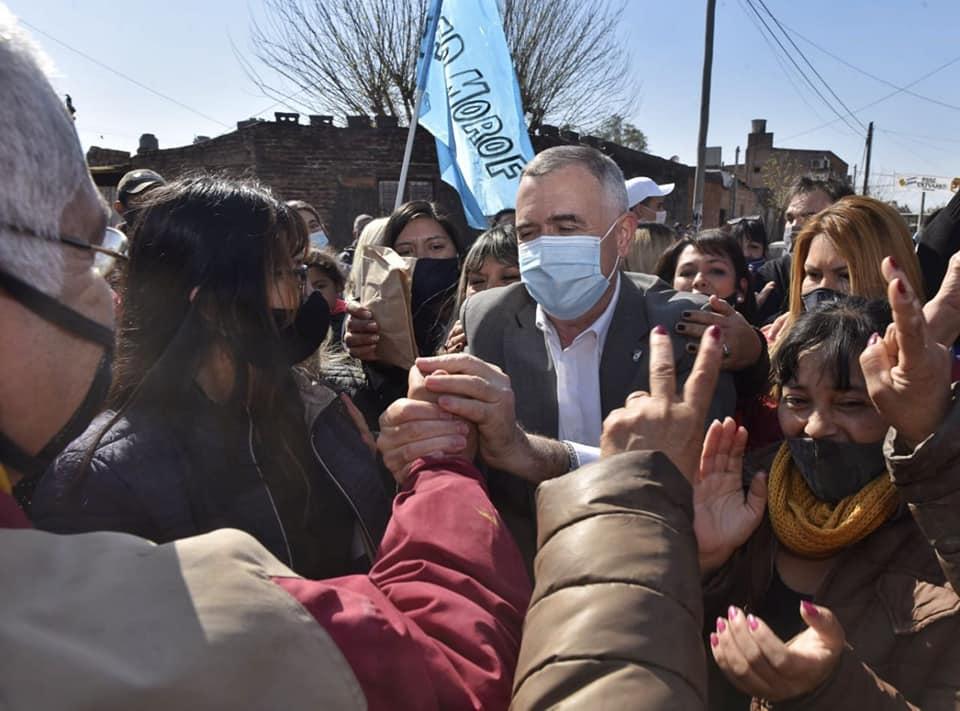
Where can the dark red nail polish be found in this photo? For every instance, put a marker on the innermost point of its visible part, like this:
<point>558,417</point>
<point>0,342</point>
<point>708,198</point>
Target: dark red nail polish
<point>714,640</point>
<point>810,608</point>
<point>752,621</point>
<point>681,327</point>
<point>660,330</point>
<point>893,263</point>
<point>901,287</point>
<point>715,332</point>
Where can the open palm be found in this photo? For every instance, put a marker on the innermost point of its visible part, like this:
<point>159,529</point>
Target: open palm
<point>723,518</point>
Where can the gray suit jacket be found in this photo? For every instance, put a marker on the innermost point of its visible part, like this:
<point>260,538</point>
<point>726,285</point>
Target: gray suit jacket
<point>500,325</point>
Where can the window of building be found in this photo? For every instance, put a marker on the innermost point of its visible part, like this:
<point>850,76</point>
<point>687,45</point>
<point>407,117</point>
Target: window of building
<point>756,169</point>
<point>416,190</point>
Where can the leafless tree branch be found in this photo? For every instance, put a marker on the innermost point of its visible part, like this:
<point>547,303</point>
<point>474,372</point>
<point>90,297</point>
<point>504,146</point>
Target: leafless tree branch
<point>346,57</point>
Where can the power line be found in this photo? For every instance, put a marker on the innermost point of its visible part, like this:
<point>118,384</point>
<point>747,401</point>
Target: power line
<point>122,75</point>
<point>783,65</point>
<point>900,89</point>
<point>797,66</point>
<point>880,100</point>
<point>809,64</point>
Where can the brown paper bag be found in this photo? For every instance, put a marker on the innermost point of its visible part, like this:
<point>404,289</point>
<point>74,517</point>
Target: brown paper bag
<point>385,291</point>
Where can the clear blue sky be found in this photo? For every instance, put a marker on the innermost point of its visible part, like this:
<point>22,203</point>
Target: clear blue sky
<point>182,48</point>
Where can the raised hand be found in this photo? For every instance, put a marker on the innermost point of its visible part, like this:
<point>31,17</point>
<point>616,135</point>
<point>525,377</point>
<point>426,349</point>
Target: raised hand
<point>456,340</point>
<point>943,310</point>
<point>415,427</point>
<point>662,420</point>
<point>907,371</point>
<point>741,343</point>
<point>361,333</point>
<point>765,292</point>
<point>760,664</point>
<point>723,518</point>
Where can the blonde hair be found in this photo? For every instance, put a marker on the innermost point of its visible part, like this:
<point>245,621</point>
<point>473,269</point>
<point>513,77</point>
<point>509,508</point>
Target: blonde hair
<point>863,231</point>
<point>647,246</point>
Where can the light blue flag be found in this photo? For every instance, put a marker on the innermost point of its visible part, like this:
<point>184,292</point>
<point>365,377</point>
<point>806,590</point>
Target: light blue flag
<point>471,104</point>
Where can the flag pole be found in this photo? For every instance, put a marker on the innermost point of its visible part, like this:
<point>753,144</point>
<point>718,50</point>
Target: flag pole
<point>433,20</point>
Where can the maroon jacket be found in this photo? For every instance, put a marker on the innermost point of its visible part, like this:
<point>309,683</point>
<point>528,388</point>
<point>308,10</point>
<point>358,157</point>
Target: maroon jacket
<point>437,622</point>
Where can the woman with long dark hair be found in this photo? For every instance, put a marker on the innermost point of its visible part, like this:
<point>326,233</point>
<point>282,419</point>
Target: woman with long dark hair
<point>209,425</point>
<point>710,263</point>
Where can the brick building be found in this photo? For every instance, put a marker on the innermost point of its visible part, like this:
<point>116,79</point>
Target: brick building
<point>345,171</point>
<point>794,162</point>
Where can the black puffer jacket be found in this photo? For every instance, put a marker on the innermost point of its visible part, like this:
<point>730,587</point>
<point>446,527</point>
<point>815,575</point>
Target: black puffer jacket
<point>170,475</point>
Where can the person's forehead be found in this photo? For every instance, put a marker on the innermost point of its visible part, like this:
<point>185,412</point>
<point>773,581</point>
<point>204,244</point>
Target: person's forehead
<point>569,190</point>
<point>421,228</point>
<point>809,202</point>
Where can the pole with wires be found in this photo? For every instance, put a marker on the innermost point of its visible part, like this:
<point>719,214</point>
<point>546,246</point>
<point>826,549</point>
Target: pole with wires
<point>704,116</point>
<point>866,166</point>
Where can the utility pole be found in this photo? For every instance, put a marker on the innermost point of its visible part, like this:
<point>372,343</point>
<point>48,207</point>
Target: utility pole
<point>854,177</point>
<point>923,201</point>
<point>733,195</point>
<point>866,167</point>
<point>704,116</point>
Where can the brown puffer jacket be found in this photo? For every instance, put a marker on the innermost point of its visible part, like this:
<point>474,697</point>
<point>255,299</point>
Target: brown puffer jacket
<point>894,592</point>
<point>616,612</point>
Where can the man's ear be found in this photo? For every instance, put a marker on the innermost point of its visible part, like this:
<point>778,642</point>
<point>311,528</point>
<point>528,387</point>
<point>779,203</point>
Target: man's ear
<point>625,233</point>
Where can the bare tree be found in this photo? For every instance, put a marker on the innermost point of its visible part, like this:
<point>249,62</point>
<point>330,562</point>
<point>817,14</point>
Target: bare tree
<point>778,176</point>
<point>359,57</point>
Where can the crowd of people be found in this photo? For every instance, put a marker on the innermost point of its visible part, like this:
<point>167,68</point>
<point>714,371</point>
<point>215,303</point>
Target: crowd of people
<point>627,467</point>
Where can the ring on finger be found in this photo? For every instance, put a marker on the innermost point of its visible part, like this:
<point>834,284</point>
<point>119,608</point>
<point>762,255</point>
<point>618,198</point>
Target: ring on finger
<point>725,349</point>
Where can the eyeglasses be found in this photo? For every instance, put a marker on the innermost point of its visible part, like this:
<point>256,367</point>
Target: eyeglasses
<point>113,246</point>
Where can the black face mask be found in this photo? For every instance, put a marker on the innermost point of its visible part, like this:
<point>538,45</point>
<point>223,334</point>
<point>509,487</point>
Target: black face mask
<point>434,281</point>
<point>820,297</point>
<point>303,337</point>
<point>32,466</point>
<point>836,470</point>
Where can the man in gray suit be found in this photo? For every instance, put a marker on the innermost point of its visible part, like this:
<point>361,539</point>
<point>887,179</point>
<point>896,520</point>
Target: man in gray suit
<point>568,345</point>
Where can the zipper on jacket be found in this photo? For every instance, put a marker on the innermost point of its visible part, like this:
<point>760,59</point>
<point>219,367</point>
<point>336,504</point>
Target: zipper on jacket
<point>273,504</point>
<point>364,531</point>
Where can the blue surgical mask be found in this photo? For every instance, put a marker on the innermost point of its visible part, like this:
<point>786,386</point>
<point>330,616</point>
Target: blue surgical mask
<point>318,239</point>
<point>563,273</point>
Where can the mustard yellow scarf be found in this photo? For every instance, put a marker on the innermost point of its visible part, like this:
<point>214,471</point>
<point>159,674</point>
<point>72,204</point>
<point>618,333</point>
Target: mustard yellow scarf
<point>5,487</point>
<point>816,529</point>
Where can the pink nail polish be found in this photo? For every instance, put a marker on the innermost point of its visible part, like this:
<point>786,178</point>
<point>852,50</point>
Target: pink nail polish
<point>752,622</point>
<point>732,613</point>
<point>873,339</point>
<point>810,608</point>
<point>714,640</point>
<point>721,625</point>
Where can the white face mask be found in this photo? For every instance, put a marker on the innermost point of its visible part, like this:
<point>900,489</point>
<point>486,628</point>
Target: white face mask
<point>788,237</point>
<point>661,217</point>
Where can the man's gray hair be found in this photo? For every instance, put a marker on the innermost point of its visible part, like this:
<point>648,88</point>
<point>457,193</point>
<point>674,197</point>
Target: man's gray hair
<point>41,160</point>
<point>602,167</point>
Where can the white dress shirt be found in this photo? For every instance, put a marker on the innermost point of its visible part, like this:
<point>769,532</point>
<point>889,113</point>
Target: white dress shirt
<point>579,413</point>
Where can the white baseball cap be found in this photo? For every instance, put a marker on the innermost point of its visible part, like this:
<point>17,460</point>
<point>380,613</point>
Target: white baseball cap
<point>639,189</point>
